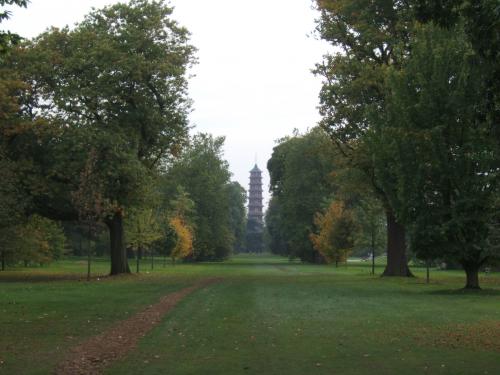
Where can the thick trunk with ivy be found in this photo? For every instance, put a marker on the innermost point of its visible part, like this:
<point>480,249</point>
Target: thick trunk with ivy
<point>397,264</point>
<point>119,261</point>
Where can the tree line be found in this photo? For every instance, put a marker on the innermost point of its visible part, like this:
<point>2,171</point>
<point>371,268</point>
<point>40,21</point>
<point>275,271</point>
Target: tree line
<point>94,134</point>
<point>410,102</point>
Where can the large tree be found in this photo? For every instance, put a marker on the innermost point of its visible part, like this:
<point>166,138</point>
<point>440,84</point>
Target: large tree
<point>480,20</point>
<point>442,149</point>
<point>301,181</point>
<point>369,37</point>
<point>116,82</point>
<point>12,199</point>
<point>204,174</point>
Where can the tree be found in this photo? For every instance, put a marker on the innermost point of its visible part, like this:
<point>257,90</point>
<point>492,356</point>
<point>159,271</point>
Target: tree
<point>370,221</point>
<point>204,174</point>
<point>275,233</point>
<point>182,214</point>
<point>8,39</point>
<point>480,20</point>
<point>142,230</point>
<point>12,204</point>
<point>89,202</point>
<point>356,192</point>
<point>369,37</point>
<point>35,240</point>
<point>40,241</point>
<point>115,82</point>
<point>12,200</point>
<point>336,231</point>
<point>254,241</point>
<point>301,182</point>
<point>494,232</point>
<point>237,214</point>
<point>445,158</point>
<point>183,247</point>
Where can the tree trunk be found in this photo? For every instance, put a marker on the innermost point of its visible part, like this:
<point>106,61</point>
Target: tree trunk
<point>89,253</point>
<point>119,261</point>
<point>373,249</point>
<point>89,261</point>
<point>472,272</point>
<point>139,251</point>
<point>397,264</point>
<point>3,260</point>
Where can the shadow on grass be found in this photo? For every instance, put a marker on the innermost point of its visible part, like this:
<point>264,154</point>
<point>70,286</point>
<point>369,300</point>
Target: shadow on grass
<point>466,292</point>
<point>45,277</point>
<point>239,263</point>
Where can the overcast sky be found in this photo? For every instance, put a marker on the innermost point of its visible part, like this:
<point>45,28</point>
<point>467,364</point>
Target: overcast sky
<point>253,83</point>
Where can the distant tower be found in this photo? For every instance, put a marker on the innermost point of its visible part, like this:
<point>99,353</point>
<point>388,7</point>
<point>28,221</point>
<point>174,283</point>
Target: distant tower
<point>255,227</point>
<point>255,195</point>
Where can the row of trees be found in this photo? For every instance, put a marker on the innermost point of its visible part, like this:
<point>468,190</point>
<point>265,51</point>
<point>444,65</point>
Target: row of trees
<point>218,214</point>
<point>195,211</point>
<point>320,210</point>
<point>94,129</point>
<point>410,111</point>
<point>411,100</point>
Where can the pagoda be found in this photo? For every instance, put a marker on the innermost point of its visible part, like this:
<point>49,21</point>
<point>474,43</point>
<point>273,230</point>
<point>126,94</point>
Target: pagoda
<point>255,222</point>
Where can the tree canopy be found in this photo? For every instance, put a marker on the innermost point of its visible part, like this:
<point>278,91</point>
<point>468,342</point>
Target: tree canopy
<point>116,82</point>
<point>411,100</point>
<point>8,39</point>
<point>300,169</point>
<point>444,156</point>
<point>370,37</point>
<point>204,175</point>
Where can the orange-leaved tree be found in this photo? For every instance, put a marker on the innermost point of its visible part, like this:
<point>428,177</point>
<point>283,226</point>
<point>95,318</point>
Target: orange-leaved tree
<point>183,247</point>
<point>335,237</point>
<point>180,223</point>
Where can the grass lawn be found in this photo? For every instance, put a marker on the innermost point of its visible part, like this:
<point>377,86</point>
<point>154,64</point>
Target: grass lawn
<point>266,316</point>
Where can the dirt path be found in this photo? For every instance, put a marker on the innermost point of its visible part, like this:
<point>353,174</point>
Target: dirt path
<point>98,352</point>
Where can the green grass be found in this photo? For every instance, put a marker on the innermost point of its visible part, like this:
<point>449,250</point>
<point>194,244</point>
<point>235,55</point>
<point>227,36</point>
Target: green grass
<point>267,316</point>
<point>40,320</point>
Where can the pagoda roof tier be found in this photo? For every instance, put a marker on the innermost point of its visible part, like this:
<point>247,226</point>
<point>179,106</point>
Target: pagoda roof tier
<point>255,169</point>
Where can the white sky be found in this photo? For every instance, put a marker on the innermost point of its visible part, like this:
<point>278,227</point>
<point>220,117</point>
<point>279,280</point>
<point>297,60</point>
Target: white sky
<point>253,82</point>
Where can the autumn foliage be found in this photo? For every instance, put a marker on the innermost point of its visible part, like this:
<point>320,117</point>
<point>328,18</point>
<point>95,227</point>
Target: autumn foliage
<point>184,233</point>
<point>335,238</point>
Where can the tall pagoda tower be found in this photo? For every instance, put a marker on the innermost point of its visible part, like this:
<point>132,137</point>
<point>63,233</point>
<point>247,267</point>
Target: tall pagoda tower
<point>255,205</point>
<point>255,222</point>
